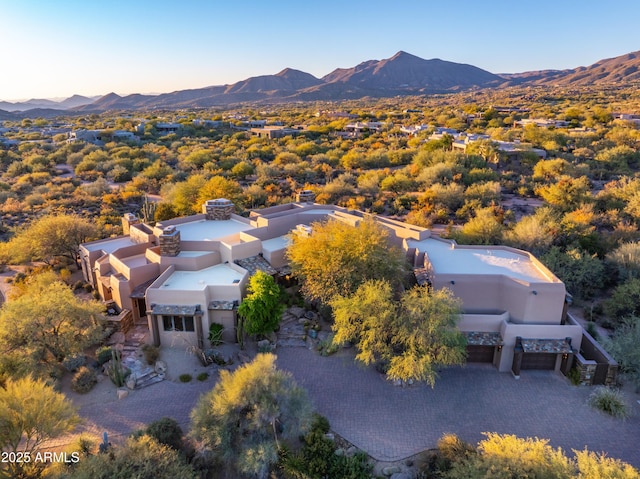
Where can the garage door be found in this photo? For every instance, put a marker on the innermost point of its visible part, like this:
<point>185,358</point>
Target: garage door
<point>539,361</point>
<point>480,354</point>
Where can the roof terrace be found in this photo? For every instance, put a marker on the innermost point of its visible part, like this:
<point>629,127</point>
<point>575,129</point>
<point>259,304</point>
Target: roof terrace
<point>448,258</point>
<point>205,230</point>
<point>220,274</point>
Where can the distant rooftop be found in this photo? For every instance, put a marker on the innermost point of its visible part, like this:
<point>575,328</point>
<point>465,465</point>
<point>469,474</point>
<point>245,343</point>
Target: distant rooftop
<point>220,274</point>
<point>446,259</point>
<point>208,230</point>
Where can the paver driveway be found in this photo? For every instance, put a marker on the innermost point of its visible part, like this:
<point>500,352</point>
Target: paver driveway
<point>392,423</point>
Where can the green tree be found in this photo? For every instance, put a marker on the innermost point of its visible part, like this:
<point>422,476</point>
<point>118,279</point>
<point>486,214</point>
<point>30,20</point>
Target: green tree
<point>141,458</point>
<point>31,412</point>
<point>249,412</point>
<point>624,301</point>
<point>581,272</point>
<point>47,323</point>
<point>567,193</point>
<point>49,238</point>
<point>220,187</point>
<point>261,309</point>
<point>337,257</point>
<point>483,228</point>
<point>415,336</point>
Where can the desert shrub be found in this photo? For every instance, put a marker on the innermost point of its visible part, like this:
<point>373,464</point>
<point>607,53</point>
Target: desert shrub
<point>83,380</point>
<point>72,363</point>
<point>215,334</point>
<point>609,401</point>
<point>151,353</point>
<point>78,285</point>
<point>318,458</point>
<point>166,431</point>
<point>185,378</point>
<point>103,354</point>
<point>327,347</point>
<point>202,376</point>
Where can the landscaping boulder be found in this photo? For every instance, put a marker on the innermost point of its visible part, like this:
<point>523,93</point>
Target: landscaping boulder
<point>160,367</point>
<point>122,393</point>
<point>390,470</point>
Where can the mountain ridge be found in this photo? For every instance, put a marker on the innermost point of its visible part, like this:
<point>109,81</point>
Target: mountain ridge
<point>401,74</point>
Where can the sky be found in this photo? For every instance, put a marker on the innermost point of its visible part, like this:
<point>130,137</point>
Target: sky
<point>54,49</point>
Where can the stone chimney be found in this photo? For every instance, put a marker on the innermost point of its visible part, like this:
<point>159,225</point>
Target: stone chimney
<point>219,209</point>
<point>169,241</point>
<point>306,196</point>
<point>127,220</point>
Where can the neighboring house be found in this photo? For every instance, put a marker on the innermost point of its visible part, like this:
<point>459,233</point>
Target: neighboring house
<point>168,128</point>
<point>182,275</point>
<point>542,123</point>
<point>274,132</point>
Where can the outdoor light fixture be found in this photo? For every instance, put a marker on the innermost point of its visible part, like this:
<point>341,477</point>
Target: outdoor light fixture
<point>535,293</point>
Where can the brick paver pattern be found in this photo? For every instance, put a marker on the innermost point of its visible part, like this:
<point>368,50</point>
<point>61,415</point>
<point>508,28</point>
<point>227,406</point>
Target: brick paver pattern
<point>392,423</point>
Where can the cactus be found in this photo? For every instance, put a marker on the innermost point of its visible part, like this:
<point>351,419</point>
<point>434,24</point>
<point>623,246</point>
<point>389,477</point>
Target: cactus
<point>116,370</point>
<point>104,445</point>
<point>148,210</point>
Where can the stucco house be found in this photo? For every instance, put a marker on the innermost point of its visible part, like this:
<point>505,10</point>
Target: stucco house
<point>182,275</point>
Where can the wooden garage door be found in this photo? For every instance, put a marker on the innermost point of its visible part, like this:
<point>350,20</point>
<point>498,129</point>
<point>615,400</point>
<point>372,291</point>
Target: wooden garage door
<point>480,354</point>
<point>539,361</point>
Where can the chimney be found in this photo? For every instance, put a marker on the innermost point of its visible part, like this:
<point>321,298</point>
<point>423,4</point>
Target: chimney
<point>218,209</point>
<point>169,241</point>
<point>127,220</point>
<point>306,196</point>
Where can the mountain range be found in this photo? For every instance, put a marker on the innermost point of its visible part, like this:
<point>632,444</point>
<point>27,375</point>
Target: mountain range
<point>402,74</point>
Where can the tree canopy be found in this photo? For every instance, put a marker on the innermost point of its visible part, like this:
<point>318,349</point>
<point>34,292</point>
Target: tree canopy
<point>46,323</point>
<point>247,414</point>
<point>336,258</point>
<point>31,412</point>
<point>261,309</point>
<point>140,457</point>
<point>415,335</point>
<point>48,238</point>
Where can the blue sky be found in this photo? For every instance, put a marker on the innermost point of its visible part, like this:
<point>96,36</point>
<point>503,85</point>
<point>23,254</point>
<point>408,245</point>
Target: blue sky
<point>62,47</point>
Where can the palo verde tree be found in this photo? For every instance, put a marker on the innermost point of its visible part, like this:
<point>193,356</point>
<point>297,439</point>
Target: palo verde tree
<point>31,412</point>
<point>248,414</point>
<point>336,258</point>
<point>48,239</point>
<point>141,457</point>
<point>261,309</point>
<point>46,323</point>
<point>414,336</point>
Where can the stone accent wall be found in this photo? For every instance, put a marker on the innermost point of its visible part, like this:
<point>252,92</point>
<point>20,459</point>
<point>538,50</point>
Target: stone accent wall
<point>127,220</point>
<point>169,241</point>
<point>612,375</point>
<point>219,209</point>
<point>587,369</point>
<point>305,196</point>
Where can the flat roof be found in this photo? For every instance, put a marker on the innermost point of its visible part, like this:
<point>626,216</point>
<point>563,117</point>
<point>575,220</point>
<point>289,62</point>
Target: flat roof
<point>220,274</point>
<point>275,244</point>
<point>135,260</point>
<point>109,245</point>
<point>446,259</point>
<point>210,230</point>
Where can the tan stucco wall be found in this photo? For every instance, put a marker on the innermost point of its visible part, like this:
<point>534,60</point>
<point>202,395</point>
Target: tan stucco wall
<point>497,292</point>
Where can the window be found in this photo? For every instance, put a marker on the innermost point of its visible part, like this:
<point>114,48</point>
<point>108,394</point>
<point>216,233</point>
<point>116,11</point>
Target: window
<point>178,323</point>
